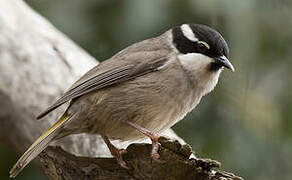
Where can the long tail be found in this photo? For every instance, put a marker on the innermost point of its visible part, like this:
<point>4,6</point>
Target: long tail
<point>39,145</point>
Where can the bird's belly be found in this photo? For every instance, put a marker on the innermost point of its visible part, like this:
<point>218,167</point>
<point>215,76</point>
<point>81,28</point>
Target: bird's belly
<point>123,131</point>
<point>108,117</point>
<point>156,119</point>
<point>146,101</point>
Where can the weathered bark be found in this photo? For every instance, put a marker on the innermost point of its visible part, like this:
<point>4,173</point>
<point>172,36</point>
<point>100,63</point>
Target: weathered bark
<point>37,63</point>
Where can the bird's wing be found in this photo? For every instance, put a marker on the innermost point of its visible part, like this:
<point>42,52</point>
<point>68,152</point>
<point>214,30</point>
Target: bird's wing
<point>97,81</point>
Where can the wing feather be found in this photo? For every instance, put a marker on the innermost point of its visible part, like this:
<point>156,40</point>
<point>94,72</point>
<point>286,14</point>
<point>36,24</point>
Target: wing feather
<point>108,78</point>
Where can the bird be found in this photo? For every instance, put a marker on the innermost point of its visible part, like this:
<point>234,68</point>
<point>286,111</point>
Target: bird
<point>139,92</point>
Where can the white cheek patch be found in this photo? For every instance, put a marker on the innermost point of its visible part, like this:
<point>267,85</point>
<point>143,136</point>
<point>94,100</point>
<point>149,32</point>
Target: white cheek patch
<point>197,63</point>
<point>194,61</point>
<point>188,33</point>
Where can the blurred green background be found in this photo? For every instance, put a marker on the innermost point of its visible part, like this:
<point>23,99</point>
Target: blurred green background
<point>246,123</point>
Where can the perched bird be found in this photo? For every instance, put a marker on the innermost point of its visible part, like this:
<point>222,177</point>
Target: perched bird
<point>142,90</point>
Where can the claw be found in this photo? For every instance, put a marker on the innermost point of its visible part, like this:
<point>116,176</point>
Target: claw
<point>154,138</point>
<point>120,160</point>
<point>155,147</point>
<point>117,153</point>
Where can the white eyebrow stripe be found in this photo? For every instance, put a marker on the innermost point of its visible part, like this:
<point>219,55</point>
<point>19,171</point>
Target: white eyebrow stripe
<point>188,33</point>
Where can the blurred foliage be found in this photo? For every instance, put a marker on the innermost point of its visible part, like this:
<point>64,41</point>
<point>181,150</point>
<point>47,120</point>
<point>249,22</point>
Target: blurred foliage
<point>246,122</point>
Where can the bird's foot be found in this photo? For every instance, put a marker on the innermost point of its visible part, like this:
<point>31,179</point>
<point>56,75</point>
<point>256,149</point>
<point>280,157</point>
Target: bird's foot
<point>117,153</point>
<point>154,138</point>
<point>155,148</point>
<point>120,160</point>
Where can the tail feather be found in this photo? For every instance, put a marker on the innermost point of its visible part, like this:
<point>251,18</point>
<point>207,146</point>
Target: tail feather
<point>38,146</point>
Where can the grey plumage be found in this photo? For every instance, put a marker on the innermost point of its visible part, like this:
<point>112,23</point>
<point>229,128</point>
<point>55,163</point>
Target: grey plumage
<point>153,84</point>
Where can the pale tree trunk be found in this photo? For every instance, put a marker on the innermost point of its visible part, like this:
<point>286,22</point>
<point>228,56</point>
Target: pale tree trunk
<point>37,63</point>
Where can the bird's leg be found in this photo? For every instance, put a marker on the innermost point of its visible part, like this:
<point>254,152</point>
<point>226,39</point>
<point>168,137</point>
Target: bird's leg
<point>154,138</point>
<point>115,152</point>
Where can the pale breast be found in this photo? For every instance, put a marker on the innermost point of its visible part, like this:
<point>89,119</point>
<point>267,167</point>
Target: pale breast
<point>155,101</point>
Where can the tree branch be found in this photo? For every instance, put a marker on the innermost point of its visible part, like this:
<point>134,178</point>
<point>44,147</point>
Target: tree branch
<point>37,63</point>
<point>177,164</point>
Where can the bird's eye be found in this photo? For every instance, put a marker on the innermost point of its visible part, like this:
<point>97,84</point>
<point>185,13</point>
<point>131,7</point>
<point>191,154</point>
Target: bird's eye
<point>203,46</point>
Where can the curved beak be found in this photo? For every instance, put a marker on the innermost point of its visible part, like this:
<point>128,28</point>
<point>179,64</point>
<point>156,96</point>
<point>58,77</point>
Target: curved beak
<point>223,61</point>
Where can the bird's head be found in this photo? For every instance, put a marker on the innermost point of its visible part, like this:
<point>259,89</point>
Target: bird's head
<point>201,43</point>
